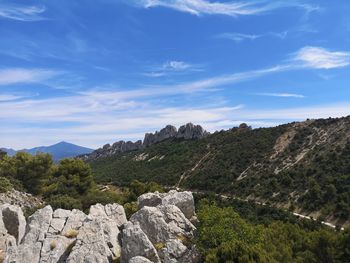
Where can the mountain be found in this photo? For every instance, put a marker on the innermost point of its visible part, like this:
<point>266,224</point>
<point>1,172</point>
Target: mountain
<point>186,132</point>
<point>58,151</point>
<point>10,152</point>
<point>302,166</point>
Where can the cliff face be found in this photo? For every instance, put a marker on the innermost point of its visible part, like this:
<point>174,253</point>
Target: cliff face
<point>187,132</point>
<point>160,231</point>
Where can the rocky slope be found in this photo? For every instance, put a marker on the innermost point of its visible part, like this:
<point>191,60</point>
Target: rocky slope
<point>21,199</point>
<point>160,231</point>
<point>187,132</point>
<point>302,165</point>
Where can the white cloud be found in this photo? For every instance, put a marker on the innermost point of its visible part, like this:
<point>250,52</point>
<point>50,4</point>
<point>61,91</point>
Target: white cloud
<point>238,37</point>
<point>202,7</point>
<point>176,65</point>
<point>283,95</point>
<point>321,58</point>
<point>20,75</point>
<point>21,13</point>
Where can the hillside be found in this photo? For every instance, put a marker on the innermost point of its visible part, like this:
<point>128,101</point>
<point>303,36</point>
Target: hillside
<point>300,166</point>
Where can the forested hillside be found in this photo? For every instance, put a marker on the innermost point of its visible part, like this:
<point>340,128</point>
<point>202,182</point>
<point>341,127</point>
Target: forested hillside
<point>302,165</point>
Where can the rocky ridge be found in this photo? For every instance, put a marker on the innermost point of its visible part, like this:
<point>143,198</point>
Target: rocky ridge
<point>160,231</point>
<point>186,132</point>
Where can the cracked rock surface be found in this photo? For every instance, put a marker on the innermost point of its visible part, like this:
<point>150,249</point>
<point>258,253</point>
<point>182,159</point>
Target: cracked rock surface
<point>161,231</point>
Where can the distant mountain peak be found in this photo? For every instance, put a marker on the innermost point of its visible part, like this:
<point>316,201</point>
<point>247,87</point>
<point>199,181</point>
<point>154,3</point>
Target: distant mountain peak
<point>58,151</point>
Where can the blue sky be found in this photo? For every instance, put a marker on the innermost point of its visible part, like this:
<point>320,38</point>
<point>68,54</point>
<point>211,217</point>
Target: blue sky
<point>96,71</point>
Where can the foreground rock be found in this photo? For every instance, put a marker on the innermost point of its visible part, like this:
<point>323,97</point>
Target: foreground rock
<point>161,231</point>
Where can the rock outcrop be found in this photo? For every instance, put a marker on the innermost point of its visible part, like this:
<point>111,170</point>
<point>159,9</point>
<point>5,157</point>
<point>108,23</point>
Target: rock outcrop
<point>187,132</point>
<point>21,199</point>
<point>161,231</point>
<point>190,131</point>
<point>166,133</point>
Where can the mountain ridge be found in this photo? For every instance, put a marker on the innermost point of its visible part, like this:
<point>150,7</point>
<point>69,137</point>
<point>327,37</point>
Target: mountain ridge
<point>187,132</point>
<point>58,151</point>
<point>298,166</point>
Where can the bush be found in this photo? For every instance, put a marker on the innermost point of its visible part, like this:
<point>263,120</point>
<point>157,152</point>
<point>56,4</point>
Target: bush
<point>5,185</point>
<point>130,208</point>
<point>65,202</point>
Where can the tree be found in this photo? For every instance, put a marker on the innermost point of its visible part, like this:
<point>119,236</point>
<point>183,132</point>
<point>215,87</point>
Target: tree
<point>72,178</point>
<point>32,171</point>
<point>2,154</point>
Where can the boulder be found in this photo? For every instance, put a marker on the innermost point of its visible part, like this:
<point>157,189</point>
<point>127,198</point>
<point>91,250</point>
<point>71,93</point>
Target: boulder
<point>97,241</point>
<point>74,221</point>
<point>149,199</point>
<point>136,243</point>
<point>183,200</point>
<point>152,223</point>
<point>112,211</point>
<point>12,221</point>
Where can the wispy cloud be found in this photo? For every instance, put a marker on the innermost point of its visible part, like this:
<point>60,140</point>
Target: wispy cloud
<point>9,97</point>
<point>205,7</point>
<point>283,95</point>
<point>171,67</point>
<point>240,37</point>
<point>21,13</point>
<point>20,75</point>
<point>321,58</point>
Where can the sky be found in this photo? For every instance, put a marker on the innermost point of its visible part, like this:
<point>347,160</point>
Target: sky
<point>93,72</point>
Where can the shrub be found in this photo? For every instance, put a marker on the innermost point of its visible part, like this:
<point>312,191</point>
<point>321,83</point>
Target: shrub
<point>5,185</point>
<point>130,208</point>
<point>64,202</point>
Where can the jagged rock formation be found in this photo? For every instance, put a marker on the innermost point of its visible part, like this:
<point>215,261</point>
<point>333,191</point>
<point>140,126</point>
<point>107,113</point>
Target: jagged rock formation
<point>165,133</point>
<point>187,132</point>
<point>158,232</point>
<point>190,131</point>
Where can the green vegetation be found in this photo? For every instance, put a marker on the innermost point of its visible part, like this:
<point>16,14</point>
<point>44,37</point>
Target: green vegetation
<point>31,171</point>
<point>5,185</point>
<point>68,184</point>
<point>224,236</point>
<point>311,169</point>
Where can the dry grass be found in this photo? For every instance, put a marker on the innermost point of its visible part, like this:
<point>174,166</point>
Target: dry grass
<point>72,233</point>
<point>159,246</point>
<point>53,244</point>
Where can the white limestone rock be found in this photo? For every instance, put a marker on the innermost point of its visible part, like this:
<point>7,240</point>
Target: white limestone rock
<point>136,243</point>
